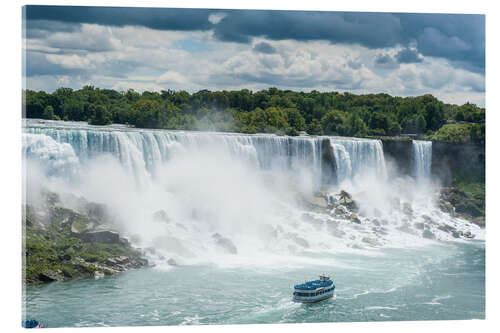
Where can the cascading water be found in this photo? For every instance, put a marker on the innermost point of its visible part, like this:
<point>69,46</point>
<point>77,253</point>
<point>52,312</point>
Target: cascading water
<point>357,156</point>
<point>422,159</point>
<point>256,195</point>
<point>234,184</point>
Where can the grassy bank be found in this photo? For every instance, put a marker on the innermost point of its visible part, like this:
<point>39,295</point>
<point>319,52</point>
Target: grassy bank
<point>53,250</point>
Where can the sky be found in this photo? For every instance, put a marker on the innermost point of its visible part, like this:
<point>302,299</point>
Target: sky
<point>193,49</point>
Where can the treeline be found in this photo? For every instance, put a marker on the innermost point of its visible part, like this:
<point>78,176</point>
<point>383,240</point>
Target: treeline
<point>266,111</point>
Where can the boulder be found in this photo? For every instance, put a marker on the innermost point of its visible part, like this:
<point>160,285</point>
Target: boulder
<point>447,228</point>
<point>428,234</point>
<point>354,218</point>
<point>51,276</point>
<point>370,241</point>
<point>468,234</point>
<point>96,211</point>
<point>340,211</point>
<point>428,219</point>
<point>407,209</point>
<point>98,274</point>
<point>172,262</point>
<point>224,243</point>
<point>420,225</point>
<point>100,236</point>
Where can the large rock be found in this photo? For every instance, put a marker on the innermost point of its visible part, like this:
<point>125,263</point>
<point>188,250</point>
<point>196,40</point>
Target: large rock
<point>347,201</point>
<point>100,236</point>
<point>224,243</point>
<point>51,276</point>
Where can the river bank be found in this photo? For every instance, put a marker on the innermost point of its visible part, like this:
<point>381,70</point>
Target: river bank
<point>62,244</point>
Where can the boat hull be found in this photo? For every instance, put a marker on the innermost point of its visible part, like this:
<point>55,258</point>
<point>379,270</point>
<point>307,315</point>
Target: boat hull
<point>312,299</point>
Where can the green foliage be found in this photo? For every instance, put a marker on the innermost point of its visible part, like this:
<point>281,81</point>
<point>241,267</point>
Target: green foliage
<point>269,111</point>
<point>461,133</point>
<point>53,247</point>
<point>315,128</point>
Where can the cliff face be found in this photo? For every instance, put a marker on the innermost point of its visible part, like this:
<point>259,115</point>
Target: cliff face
<point>328,165</point>
<point>400,153</point>
<point>465,161</point>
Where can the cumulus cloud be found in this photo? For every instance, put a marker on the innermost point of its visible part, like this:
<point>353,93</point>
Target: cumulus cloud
<point>98,50</point>
<point>264,47</point>
<point>451,36</point>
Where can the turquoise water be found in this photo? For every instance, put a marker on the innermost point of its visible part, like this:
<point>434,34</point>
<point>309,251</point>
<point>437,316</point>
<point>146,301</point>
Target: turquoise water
<point>443,281</point>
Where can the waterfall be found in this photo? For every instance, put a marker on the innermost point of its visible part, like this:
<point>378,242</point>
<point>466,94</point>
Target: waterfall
<point>422,159</point>
<point>141,152</point>
<point>357,156</point>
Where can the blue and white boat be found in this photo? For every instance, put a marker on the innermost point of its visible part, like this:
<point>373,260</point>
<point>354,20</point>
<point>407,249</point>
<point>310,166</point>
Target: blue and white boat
<point>314,291</point>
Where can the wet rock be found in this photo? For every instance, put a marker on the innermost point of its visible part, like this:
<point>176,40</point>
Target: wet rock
<point>51,276</point>
<point>345,199</point>
<point>161,216</point>
<point>354,218</point>
<point>428,234</point>
<point>98,274</point>
<point>447,207</point>
<point>447,228</point>
<point>172,262</point>
<point>428,219</point>
<point>376,222</point>
<point>407,209</point>
<point>457,234</point>
<point>420,225</point>
<point>225,243</point>
<point>100,236</point>
<point>468,234</point>
<point>370,241</point>
<point>340,211</point>
<point>97,212</point>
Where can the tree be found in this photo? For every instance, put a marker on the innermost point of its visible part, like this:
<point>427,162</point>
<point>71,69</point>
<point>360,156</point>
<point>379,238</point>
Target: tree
<point>332,121</point>
<point>315,128</point>
<point>48,112</point>
<point>295,119</point>
<point>100,116</point>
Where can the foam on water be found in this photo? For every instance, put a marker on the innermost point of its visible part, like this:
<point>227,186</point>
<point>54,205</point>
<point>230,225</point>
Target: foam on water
<point>242,187</point>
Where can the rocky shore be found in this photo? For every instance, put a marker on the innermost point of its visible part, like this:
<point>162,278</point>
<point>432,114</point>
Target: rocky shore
<point>60,243</point>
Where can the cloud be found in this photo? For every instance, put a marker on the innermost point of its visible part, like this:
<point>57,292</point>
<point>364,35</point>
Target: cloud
<point>408,56</point>
<point>456,37</point>
<point>264,47</point>
<point>386,61</point>
<point>216,17</point>
<point>171,77</point>
<point>153,18</point>
<point>127,56</point>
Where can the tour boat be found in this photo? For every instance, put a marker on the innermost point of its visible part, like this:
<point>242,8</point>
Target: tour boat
<point>314,291</point>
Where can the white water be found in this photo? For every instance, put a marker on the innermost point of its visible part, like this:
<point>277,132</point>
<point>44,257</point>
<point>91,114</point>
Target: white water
<point>358,156</point>
<point>422,159</point>
<point>248,188</point>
